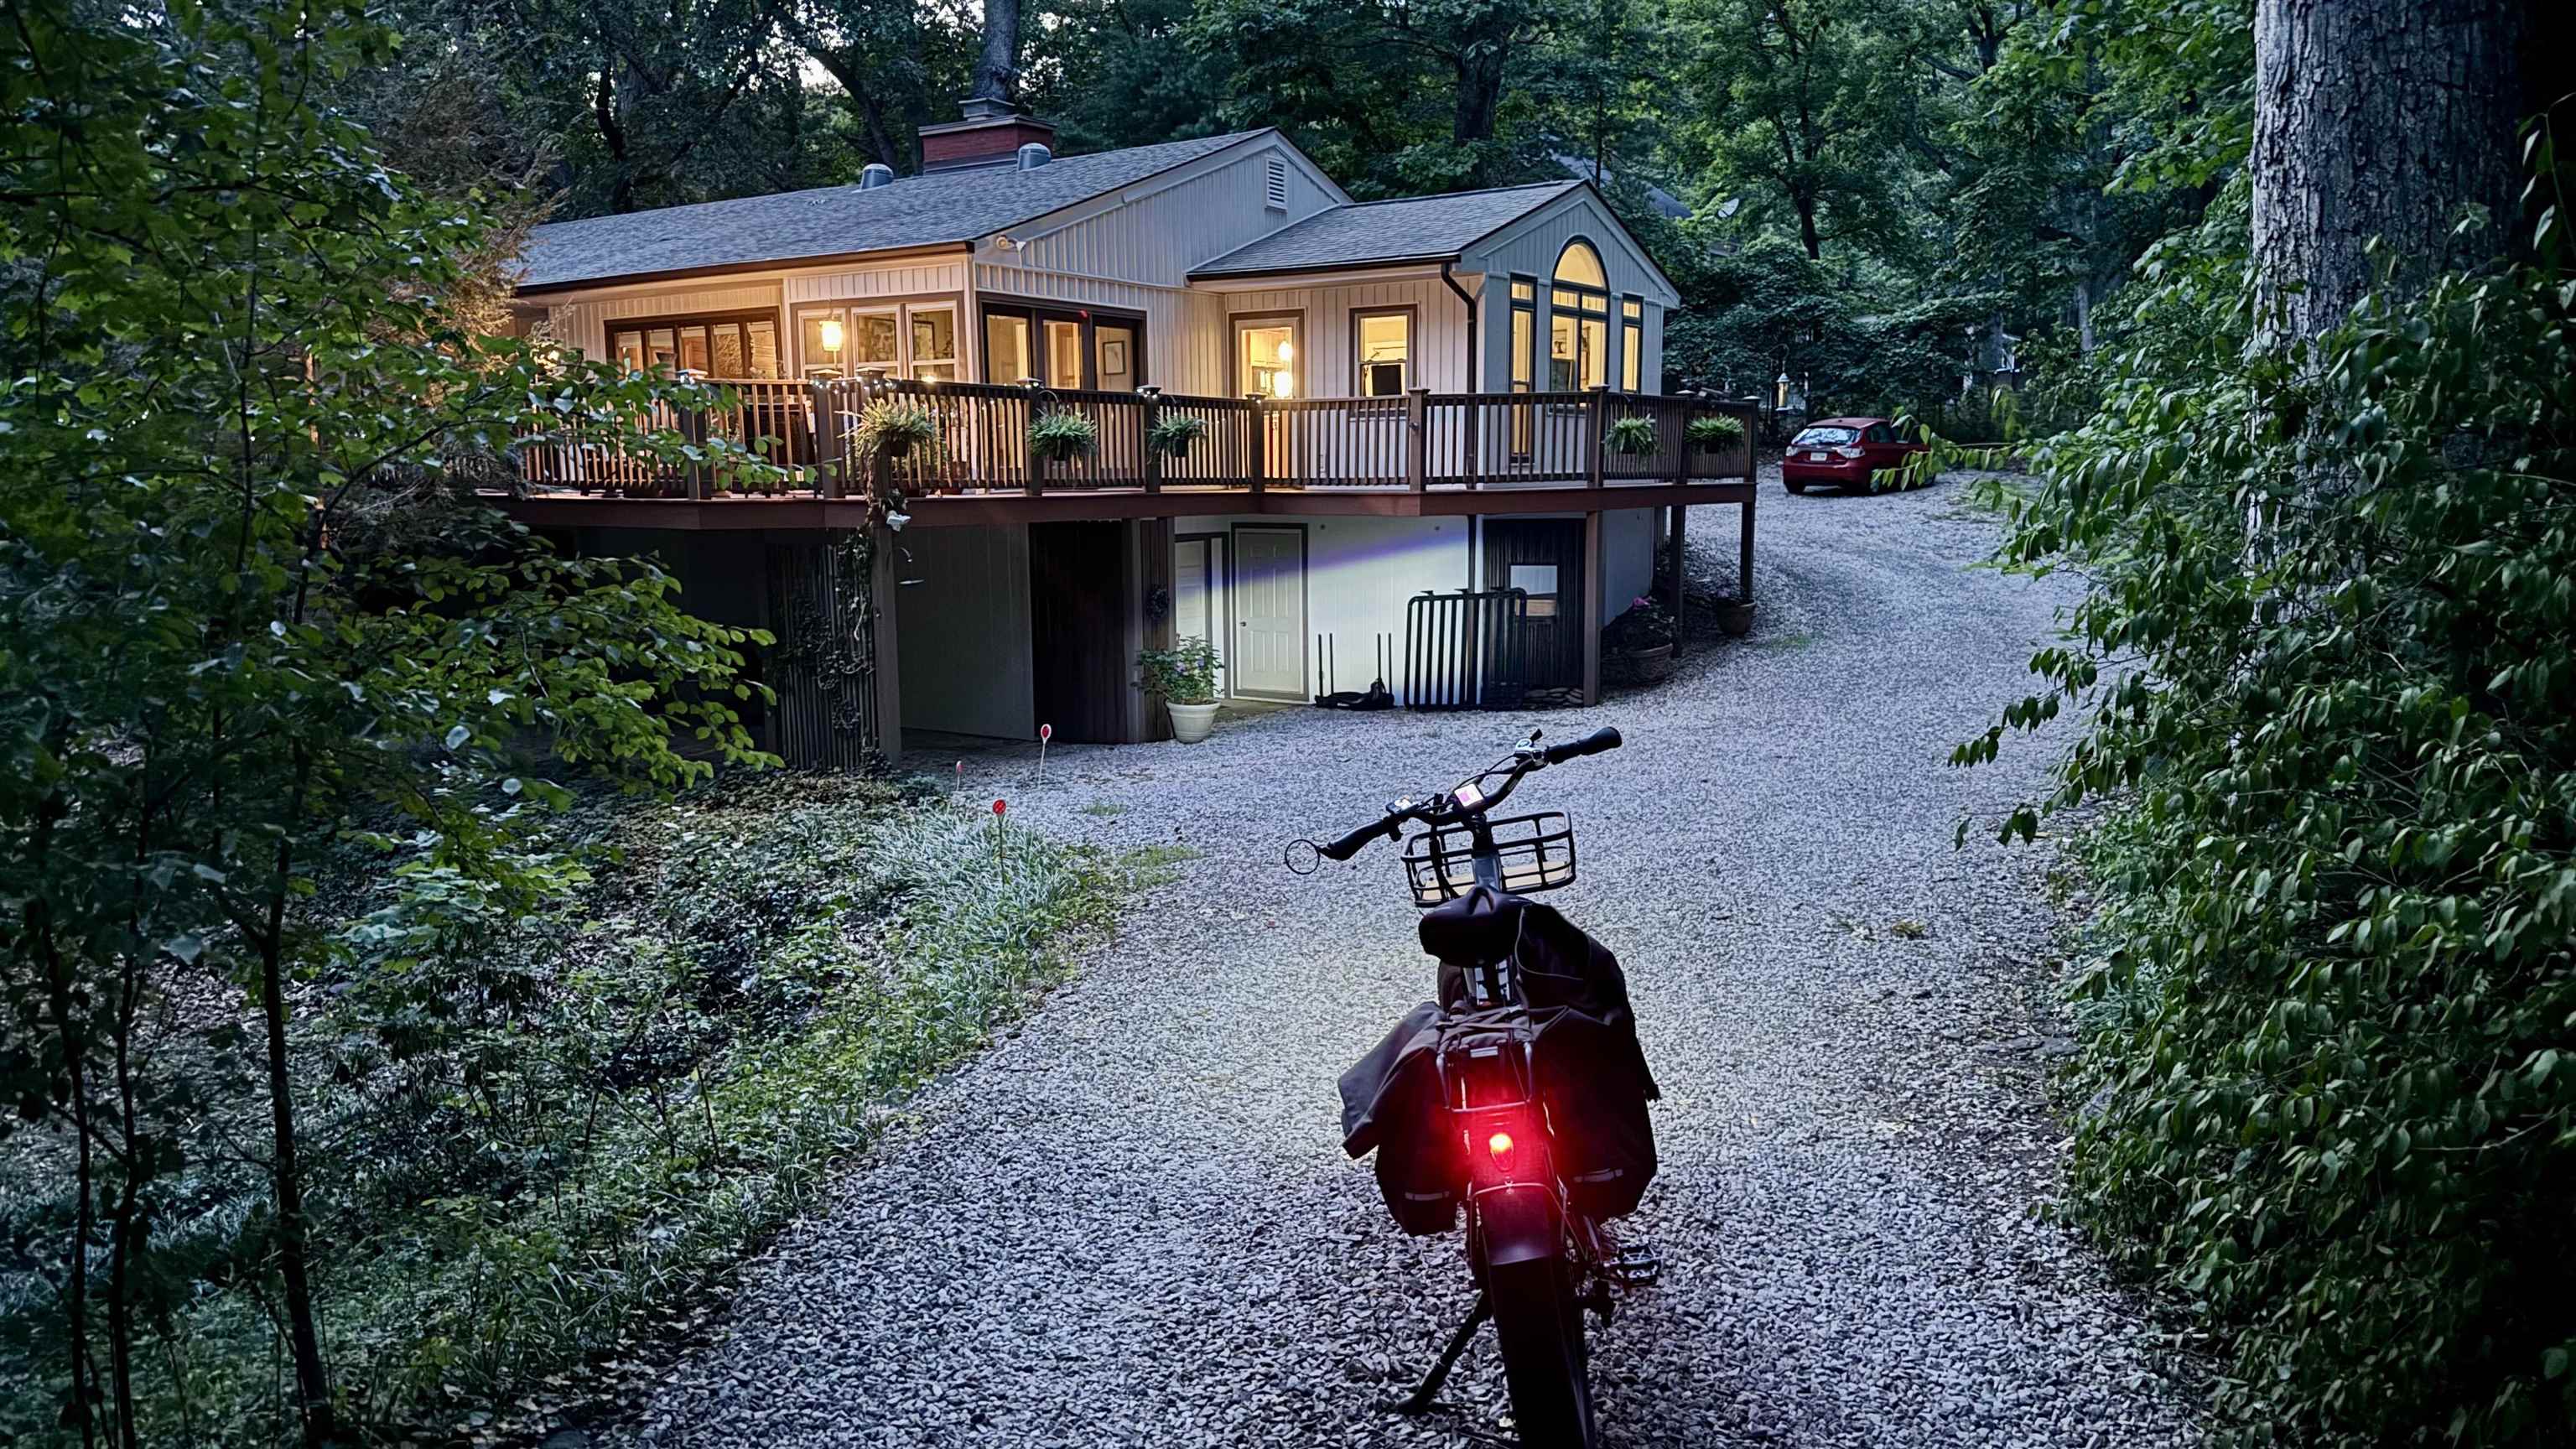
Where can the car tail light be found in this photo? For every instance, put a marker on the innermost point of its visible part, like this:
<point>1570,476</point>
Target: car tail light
<point>1500,1144</point>
<point>1847,451</point>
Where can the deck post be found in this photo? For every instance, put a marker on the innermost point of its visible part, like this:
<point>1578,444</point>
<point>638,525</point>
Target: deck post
<point>1675,549</point>
<point>1471,453</point>
<point>1680,416</point>
<point>827,437</point>
<point>1145,439</point>
<point>888,680</point>
<point>1417,437</point>
<point>693,427</point>
<point>1744,555</point>
<point>1256,464</point>
<point>1593,592</point>
<point>1596,412</point>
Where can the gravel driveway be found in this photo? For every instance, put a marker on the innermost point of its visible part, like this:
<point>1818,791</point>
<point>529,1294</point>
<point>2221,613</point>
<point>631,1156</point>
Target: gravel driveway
<point>1131,1223</point>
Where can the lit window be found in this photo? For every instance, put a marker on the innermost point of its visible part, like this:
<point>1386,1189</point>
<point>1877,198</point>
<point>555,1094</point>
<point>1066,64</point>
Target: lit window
<point>934,344</point>
<point>1385,346</point>
<point>1578,333</point>
<point>1632,345</point>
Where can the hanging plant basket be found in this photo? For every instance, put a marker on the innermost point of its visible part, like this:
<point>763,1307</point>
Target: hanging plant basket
<point>1172,435</point>
<point>1063,437</point>
<point>901,431</point>
<point>1716,430</point>
<point>1630,436</point>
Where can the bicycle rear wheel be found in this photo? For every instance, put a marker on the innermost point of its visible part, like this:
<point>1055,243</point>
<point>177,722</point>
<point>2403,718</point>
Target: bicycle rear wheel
<point>1539,1323</point>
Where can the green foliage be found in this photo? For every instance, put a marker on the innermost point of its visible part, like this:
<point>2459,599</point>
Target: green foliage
<point>1716,430</point>
<point>1642,625</point>
<point>1063,436</point>
<point>235,373</point>
<point>897,430</point>
<point>1173,433</point>
<point>1631,436</point>
<point>2324,672</point>
<point>1183,674</point>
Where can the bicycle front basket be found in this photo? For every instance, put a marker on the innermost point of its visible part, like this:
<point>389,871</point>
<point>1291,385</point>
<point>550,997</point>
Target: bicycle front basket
<point>1532,852</point>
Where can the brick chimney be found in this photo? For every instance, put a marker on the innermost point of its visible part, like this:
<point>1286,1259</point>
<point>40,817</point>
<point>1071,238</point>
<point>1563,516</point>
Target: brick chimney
<point>992,133</point>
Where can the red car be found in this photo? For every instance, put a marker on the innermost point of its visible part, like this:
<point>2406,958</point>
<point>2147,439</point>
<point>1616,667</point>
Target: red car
<point>1843,453</point>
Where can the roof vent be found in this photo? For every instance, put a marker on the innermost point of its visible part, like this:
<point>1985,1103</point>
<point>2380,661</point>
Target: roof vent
<point>875,175</point>
<point>1033,156</point>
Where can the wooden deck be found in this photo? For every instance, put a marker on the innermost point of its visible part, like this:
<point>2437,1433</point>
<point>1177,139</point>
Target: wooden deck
<point>1419,455</point>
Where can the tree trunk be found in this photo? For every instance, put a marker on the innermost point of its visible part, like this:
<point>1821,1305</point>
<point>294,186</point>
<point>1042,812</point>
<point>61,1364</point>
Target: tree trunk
<point>286,1177</point>
<point>2379,118</point>
<point>997,72</point>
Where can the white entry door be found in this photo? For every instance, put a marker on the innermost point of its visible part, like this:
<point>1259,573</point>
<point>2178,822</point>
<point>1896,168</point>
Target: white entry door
<point>1269,597</point>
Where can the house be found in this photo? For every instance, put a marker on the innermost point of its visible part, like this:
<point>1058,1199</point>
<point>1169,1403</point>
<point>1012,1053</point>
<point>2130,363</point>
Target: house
<point>1398,398</point>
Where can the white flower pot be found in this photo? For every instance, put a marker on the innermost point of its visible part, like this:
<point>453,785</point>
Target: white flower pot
<point>1191,722</point>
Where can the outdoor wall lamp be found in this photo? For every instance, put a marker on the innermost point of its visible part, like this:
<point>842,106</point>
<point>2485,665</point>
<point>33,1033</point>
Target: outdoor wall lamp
<point>1781,398</point>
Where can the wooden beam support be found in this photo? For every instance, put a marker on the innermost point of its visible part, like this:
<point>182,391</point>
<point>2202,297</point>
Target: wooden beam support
<point>1744,556</point>
<point>1592,595</point>
<point>1676,550</point>
<point>883,589</point>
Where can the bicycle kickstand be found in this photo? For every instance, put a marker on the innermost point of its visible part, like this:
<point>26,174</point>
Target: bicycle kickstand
<point>1420,1399</point>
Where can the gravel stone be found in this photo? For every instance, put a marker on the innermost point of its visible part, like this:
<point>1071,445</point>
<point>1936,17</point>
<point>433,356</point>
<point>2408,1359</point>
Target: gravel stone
<point>1130,1223</point>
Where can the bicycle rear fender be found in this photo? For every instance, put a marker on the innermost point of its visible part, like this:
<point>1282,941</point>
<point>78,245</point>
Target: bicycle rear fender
<point>1519,1224</point>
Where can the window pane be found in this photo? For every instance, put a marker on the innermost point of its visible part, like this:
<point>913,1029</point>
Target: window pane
<point>1006,348</point>
<point>1563,300</point>
<point>1539,582</point>
<point>1523,369</point>
<point>1581,265</point>
<point>934,335</point>
<point>826,336</point>
<point>728,350</point>
<point>1631,307</point>
<point>693,349</point>
<point>875,336</point>
<point>1596,352</point>
<point>1562,345</point>
<point>629,349</point>
<point>659,348</point>
<point>1116,346</point>
<point>1269,360</point>
<point>1632,357</point>
<point>1385,348</point>
<point>763,337</point>
<point>1523,291</point>
<point>1064,354</point>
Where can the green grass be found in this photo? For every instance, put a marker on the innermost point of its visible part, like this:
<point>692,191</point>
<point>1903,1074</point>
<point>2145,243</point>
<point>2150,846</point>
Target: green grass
<point>638,1084</point>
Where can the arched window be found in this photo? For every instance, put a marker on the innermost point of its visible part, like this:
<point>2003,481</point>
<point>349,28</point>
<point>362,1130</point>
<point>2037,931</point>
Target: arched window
<point>1578,342</point>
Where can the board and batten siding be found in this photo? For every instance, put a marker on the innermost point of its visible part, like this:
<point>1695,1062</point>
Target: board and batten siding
<point>1132,251</point>
<point>1530,248</point>
<point>583,321</point>
<point>1330,348</point>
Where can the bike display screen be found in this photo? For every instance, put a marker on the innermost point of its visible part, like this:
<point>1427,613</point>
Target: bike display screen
<point>1468,796</point>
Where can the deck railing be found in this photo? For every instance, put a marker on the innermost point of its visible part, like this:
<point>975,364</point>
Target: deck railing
<point>1416,441</point>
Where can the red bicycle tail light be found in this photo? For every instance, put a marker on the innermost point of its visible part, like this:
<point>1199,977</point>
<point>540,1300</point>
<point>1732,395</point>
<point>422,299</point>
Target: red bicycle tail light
<point>1500,1144</point>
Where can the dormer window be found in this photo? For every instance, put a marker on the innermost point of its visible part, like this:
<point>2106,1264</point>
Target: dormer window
<point>1276,197</point>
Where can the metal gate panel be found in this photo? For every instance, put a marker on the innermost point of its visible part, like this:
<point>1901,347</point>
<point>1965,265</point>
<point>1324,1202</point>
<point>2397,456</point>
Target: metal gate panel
<point>1467,650</point>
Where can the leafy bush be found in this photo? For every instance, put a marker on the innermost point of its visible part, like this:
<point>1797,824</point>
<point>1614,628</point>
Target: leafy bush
<point>1644,625</point>
<point>1716,430</point>
<point>1183,674</point>
<point>2328,669</point>
<point>1629,436</point>
<point>1173,433</point>
<point>1060,436</point>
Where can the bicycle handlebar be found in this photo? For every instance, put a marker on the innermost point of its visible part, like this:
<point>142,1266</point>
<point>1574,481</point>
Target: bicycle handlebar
<point>1604,738</point>
<point>1442,806</point>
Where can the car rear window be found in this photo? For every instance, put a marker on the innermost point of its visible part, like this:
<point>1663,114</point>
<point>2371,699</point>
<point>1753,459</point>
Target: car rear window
<point>1824,437</point>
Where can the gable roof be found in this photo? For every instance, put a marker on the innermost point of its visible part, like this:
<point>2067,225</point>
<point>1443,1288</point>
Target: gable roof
<point>940,208</point>
<point>1373,233</point>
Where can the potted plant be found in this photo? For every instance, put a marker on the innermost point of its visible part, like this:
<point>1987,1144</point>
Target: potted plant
<point>1184,676</point>
<point>1631,436</point>
<point>1641,642</point>
<point>1058,436</point>
<point>1173,433</point>
<point>900,431</point>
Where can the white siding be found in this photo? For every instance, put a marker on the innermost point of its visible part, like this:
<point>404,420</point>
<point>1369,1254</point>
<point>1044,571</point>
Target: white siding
<point>583,321</point>
<point>1439,332</point>
<point>916,278</point>
<point>1133,251</point>
<point>1627,559</point>
<point>1530,248</point>
<point>1359,574</point>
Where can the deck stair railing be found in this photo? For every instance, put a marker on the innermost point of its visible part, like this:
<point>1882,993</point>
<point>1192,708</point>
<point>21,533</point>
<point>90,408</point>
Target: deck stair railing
<point>1414,441</point>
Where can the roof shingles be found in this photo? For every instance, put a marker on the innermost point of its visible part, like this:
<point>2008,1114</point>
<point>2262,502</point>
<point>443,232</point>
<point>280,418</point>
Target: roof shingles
<point>943,207</point>
<point>1414,229</point>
